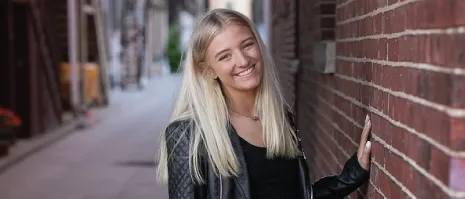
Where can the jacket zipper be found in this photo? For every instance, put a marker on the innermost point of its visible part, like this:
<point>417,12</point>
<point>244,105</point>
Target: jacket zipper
<point>311,194</point>
<point>300,144</point>
<point>221,188</point>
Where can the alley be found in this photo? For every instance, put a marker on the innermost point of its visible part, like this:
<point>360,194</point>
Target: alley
<point>114,158</point>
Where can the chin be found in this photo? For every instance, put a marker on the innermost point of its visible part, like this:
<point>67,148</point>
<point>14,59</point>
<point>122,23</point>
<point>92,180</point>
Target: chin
<point>249,85</point>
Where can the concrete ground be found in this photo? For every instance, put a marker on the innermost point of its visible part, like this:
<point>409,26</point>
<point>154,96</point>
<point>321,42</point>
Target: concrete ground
<point>114,158</point>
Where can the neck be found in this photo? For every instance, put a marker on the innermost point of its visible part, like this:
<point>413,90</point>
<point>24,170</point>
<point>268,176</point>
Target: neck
<point>242,102</point>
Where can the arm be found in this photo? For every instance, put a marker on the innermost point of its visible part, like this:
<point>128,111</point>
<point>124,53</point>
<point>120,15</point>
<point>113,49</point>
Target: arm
<point>339,186</point>
<point>180,183</point>
<point>353,175</point>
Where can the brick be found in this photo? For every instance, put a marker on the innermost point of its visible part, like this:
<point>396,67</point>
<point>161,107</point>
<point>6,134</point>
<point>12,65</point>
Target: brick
<point>411,75</point>
<point>411,19</point>
<point>405,46</point>
<point>440,163</point>
<point>328,8</point>
<point>457,133</point>
<point>378,22</point>
<point>382,48</point>
<point>422,14</point>
<point>440,47</point>
<point>390,2</point>
<point>327,22</point>
<point>457,56</point>
<point>459,15</point>
<point>441,13</point>
<point>327,35</point>
<point>390,22</point>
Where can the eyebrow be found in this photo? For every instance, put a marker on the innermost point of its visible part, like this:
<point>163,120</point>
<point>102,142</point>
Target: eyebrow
<point>248,39</point>
<point>219,53</point>
<point>245,40</point>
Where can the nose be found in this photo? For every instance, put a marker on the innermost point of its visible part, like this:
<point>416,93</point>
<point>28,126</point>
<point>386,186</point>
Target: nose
<point>242,60</point>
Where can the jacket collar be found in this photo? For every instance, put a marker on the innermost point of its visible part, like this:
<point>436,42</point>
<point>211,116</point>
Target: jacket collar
<point>242,180</point>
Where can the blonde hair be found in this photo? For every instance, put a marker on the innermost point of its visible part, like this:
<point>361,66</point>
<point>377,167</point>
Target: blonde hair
<point>202,102</point>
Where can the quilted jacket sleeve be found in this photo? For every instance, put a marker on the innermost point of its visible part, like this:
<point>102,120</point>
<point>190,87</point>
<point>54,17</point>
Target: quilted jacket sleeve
<point>339,186</point>
<point>180,183</point>
<point>353,175</point>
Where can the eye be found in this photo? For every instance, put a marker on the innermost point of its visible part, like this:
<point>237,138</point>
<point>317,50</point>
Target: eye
<point>223,57</point>
<point>248,45</point>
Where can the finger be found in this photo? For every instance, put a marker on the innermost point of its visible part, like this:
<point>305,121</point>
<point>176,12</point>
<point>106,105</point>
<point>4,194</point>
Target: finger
<point>367,127</point>
<point>364,136</point>
<point>366,132</point>
<point>366,156</point>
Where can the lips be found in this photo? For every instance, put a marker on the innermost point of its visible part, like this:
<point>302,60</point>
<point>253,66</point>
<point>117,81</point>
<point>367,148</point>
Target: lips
<point>246,72</point>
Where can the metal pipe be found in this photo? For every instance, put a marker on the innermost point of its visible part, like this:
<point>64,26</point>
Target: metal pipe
<point>72,52</point>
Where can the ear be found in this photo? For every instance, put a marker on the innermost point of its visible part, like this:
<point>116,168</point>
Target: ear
<point>207,71</point>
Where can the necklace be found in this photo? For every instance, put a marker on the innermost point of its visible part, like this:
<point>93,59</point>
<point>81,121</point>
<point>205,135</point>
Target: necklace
<point>254,118</point>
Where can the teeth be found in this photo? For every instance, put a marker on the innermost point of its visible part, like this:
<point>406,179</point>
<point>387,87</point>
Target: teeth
<point>246,72</point>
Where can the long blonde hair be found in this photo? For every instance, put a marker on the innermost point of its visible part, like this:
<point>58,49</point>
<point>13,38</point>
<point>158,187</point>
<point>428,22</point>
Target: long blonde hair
<point>202,102</point>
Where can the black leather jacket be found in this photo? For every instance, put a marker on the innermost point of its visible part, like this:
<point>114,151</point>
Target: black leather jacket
<point>181,185</point>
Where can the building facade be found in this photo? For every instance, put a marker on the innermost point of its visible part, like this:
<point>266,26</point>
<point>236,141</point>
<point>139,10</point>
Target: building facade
<point>29,75</point>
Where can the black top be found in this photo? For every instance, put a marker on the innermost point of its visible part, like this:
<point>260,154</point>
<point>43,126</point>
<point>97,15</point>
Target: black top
<point>276,178</point>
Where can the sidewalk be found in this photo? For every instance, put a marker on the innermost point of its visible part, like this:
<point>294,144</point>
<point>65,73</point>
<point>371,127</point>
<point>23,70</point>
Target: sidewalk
<point>26,147</point>
<point>115,158</point>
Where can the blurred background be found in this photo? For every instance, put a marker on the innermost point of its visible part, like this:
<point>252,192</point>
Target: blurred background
<point>86,87</point>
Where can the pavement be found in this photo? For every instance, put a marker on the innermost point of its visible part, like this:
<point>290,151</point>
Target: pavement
<point>113,158</point>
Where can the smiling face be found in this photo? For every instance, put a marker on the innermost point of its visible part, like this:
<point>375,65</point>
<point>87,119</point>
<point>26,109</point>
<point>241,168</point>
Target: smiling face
<point>235,57</point>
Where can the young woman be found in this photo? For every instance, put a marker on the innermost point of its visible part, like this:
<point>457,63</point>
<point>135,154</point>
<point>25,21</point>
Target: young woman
<point>231,134</point>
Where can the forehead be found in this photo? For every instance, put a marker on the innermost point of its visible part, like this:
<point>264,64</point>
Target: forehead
<point>230,36</point>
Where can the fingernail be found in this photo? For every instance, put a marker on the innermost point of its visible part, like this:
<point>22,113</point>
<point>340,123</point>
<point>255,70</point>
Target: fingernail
<point>368,144</point>
<point>366,119</point>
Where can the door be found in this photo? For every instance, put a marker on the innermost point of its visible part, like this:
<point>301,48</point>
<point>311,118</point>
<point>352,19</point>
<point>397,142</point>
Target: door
<point>22,66</point>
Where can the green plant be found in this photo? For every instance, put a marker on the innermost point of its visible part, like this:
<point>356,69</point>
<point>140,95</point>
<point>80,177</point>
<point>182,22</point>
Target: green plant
<point>173,50</point>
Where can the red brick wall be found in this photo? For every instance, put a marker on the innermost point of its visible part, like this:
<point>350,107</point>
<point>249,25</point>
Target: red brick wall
<point>284,42</point>
<point>403,63</point>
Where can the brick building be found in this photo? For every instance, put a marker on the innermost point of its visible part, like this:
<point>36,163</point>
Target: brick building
<point>29,75</point>
<point>400,61</point>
